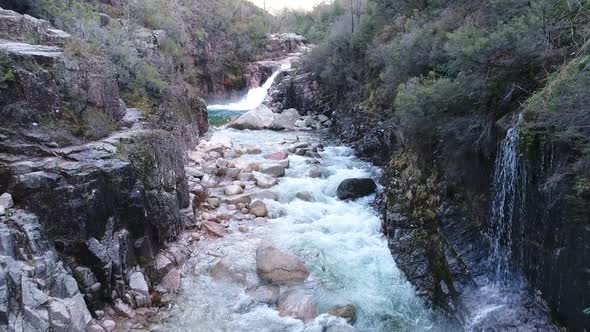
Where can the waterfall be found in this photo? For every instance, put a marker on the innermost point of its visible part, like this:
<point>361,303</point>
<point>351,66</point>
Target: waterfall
<point>254,98</point>
<point>508,205</point>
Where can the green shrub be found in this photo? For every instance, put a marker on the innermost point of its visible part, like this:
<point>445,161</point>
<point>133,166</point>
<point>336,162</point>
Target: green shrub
<point>98,125</point>
<point>7,74</point>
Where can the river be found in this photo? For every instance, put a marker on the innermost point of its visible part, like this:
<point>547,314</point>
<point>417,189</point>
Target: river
<point>340,243</point>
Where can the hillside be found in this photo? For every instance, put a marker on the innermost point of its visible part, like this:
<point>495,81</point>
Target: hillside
<point>430,89</point>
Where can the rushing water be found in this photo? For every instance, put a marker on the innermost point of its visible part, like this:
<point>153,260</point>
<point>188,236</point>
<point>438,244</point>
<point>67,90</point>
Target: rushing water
<point>340,243</point>
<point>508,210</point>
<point>503,300</point>
<point>255,96</point>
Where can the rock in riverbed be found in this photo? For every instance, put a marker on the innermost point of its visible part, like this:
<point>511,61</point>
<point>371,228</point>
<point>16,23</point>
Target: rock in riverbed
<point>6,201</point>
<point>297,304</point>
<point>345,311</point>
<point>277,155</point>
<point>264,181</point>
<point>274,170</point>
<point>276,267</point>
<point>356,188</point>
<point>258,208</point>
<point>259,118</point>
<point>214,229</point>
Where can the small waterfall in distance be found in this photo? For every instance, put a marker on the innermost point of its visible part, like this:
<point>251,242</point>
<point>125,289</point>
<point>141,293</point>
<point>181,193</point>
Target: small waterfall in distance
<point>508,209</point>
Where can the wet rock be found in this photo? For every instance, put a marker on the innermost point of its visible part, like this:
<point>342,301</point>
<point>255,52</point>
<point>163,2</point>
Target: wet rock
<point>171,281</point>
<point>245,177</point>
<point>277,155</point>
<point>214,201</point>
<point>322,118</point>
<point>273,170</point>
<point>347,312</point>
<point>305,196</point>
<point>233,190</point>
<point>221,163</point>
<point>237,199</point>
<point>58,311</point>
<point>259,118</point>
<point>284,163</point>
<point>297,304</point>
<point>232,172</point>
<point>6,201</point>
<point>268,294</point>
<point>253,150</point>
<point>163,264</point>
<point>214,229</point>
<point>264,181</point>
<point>109,325</point>
<point>285,120</point>
<point>314,172</point>
<point>138,283</point>
<point>276,267</point>
<point>194,172</point>
<point>225,270</point>
<point>139,289</point>
<point>356,188</point>
<point>123,309</point>
<point>80,316</point>
<point>95,327</point>
<point>265,194</point>
<point>258,208</point>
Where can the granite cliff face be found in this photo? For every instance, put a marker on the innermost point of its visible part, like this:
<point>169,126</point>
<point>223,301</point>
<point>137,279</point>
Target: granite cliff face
<point>92,207</point>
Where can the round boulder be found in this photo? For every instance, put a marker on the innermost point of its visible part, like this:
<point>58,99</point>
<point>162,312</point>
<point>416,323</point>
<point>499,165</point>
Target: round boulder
<point>276,267</point>
<point>258,208</point>
<point>356,188</point>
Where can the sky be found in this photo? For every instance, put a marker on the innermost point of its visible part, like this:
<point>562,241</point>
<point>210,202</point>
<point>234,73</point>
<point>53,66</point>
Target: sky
<point>274,5</point>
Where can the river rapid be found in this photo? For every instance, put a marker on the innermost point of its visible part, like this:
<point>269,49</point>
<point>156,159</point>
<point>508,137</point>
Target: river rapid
<point>340,243</point>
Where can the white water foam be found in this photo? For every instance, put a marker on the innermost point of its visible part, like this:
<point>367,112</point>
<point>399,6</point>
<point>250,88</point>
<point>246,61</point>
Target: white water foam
<point>254,98</point>
<point>339,241</point>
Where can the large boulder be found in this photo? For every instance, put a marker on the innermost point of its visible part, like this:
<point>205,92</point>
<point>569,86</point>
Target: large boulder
<point>356,188</point>
<point>259,118</point>
<point>286,120</point>
<point>276,267</point>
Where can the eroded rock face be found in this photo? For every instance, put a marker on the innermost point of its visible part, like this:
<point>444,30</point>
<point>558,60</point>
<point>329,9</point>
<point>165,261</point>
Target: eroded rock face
<point>107,206</point>
<point>285,120</point>
<point>296,91</point>
<point>36,290</point>
<point>27,29</point>
<point>46,80</point>
<point>276,267</point>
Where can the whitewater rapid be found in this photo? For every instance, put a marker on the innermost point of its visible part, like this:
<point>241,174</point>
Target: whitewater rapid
<point>339,241</point>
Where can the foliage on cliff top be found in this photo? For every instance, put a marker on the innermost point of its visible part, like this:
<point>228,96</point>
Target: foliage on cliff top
<point>153,42</point>
<point>432,65</point>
